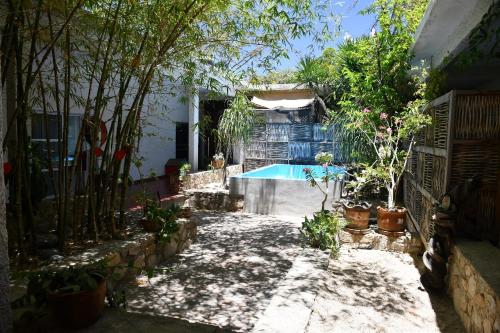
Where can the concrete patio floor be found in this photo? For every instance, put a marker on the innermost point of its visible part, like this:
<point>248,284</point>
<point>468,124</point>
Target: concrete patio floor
<point>249,273</point>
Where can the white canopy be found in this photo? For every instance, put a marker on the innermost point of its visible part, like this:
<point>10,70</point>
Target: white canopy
<point>282,103</point>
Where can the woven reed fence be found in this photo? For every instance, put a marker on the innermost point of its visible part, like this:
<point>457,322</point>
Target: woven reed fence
<point>463,142</point>
<point>289,137</point>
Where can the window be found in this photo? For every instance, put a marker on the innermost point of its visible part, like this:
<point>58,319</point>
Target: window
<point>39,136</point>
<point>48,128</point>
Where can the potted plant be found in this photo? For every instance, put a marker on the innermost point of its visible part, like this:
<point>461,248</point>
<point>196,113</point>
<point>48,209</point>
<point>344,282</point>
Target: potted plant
<point>218,161</point>
<point>357,211</point>
<point>153,216</point>
<point>74,296</point>
<point>391,138</point>
<point>322,230</point>
<point>183,172</point>
<point>325,160</point>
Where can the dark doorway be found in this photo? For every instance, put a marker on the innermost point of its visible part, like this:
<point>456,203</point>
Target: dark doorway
<point>182,141</point>
<point>211,111</point>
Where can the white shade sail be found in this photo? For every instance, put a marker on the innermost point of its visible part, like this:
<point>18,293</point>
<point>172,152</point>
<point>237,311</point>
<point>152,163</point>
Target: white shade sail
<point>282,103</point>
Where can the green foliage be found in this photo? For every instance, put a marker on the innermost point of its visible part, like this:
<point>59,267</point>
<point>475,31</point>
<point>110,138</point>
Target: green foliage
<point>69,280</point>
<point>325,160</point>
<point>236,123</point>
<point>275,77</point>
<point>166,217</point>
<point>184,170</point>
<point>322,231</point>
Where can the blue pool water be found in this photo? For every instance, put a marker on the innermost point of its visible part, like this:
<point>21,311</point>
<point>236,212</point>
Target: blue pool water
<point>288,171</point>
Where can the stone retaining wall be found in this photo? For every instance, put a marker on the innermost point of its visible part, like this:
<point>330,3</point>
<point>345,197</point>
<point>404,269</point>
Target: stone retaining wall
<point>200,179</point>
<point>474,285</point>
<point>215,198</point>
<point>143,251</point>
<point>409,243</point>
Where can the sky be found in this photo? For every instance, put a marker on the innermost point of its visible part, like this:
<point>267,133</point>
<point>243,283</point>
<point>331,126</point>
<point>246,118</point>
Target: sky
<point>353,24</point>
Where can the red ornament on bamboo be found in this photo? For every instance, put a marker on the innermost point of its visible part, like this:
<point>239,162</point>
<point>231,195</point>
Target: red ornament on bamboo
<point>98,152</point>
<point>120,154</point>
<point>7,168</point>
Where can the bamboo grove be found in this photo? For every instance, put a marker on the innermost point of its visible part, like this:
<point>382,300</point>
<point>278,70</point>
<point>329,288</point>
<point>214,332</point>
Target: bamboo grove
<point>109,59</point>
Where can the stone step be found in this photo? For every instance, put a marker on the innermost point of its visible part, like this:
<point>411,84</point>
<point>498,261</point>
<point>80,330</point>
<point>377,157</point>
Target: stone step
<point>290,308</point>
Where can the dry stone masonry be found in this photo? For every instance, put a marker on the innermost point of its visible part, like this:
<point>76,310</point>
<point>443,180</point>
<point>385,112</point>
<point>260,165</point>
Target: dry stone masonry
<point>474,285</point>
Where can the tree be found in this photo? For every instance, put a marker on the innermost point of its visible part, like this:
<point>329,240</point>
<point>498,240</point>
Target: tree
<point>109,58</point>
<point>5,311</point>
<point>235,127</point>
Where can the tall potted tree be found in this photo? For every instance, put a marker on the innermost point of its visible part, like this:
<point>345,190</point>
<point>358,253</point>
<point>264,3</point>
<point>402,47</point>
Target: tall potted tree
<point>391,137</point>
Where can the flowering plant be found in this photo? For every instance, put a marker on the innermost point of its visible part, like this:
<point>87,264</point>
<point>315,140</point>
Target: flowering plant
<point>391,137</point>
<point>218,157</point>
<point>325,160</point>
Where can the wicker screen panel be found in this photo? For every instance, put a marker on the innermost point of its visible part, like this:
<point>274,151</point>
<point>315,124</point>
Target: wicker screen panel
<point>440,125</point>
<point>470,160</point>
<point>488,225</point>
<point>278,132</point>
<point>321,148</point>
<point>256,149</point>
<point>428,172</point>
<point>301,132</point>
<point>477,117</point>
<point>277,150</point>
<point>258,133</point>
<point>299,151</point>
<point>419,175</point>
<point>427,224</point>
<point>438,177</point>
<point>252,164</point>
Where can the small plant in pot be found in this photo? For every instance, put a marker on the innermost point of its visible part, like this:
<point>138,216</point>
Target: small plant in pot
<point>74,296</point>
<point>153,216</point>
<point>357,211</point>
<point>218,161</point>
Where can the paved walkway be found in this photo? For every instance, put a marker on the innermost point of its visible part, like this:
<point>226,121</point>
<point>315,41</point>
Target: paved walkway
<point>377,291</point>
<point>248,273</point>
<point>230,274</point>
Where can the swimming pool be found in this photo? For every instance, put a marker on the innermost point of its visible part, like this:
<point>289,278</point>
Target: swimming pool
<point>282,189</point>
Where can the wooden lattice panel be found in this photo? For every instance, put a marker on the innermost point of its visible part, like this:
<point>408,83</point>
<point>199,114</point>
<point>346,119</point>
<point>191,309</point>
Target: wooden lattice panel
<point>477,117</point>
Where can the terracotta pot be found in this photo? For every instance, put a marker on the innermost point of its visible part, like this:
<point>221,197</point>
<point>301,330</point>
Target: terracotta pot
<point>150,225</point>
<point>185,213</point>
<point>391,220</point>
<point>358,216</point>
<point>217,164</point>
<point>80,309</point>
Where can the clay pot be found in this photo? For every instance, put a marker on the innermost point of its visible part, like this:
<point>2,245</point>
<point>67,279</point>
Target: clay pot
<point>391,220</point>
<point>150,225</point>
<point>79,309</point>
<point>358,216</point>
<point>217,164</point>
<point>185,213</point>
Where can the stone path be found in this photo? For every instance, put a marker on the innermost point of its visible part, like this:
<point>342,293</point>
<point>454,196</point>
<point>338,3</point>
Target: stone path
<point>248,273</point>
<point>229,275</point>
<point>377,291</point>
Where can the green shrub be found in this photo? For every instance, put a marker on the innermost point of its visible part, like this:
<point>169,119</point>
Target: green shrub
<point>322,231</point>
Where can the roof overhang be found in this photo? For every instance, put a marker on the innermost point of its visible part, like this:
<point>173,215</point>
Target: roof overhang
<point>444,29</point>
